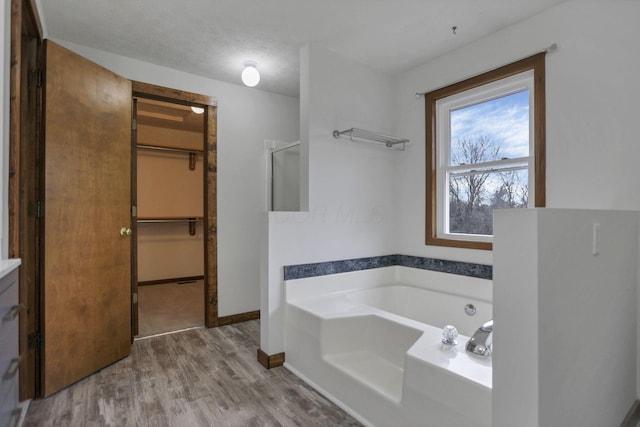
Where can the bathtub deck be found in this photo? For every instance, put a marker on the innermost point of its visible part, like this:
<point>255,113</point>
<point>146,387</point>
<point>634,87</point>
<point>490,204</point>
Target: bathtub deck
<point>372,370</point>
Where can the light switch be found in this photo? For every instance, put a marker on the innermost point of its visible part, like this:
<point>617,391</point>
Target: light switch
<point>596,238</point>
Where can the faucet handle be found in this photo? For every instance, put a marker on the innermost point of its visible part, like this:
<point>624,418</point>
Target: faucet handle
<point>449,335</point>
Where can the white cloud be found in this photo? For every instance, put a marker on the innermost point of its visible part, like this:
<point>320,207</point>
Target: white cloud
<point>505,120</point>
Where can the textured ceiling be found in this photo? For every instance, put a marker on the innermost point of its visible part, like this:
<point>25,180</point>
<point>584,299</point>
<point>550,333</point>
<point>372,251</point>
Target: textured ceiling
<point>214,38</point>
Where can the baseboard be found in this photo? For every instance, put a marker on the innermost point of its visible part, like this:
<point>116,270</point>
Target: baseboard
<point>633,416</point>
<point>173,280</point>
<point>272,361</point>
<point>237,318</point>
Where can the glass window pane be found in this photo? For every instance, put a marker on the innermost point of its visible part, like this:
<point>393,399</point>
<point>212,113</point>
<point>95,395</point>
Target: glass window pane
<point>474,196</point>
<point>491,130</point>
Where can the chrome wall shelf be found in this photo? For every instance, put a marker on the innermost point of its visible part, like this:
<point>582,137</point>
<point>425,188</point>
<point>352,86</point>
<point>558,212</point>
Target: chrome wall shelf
<point>370,136</point>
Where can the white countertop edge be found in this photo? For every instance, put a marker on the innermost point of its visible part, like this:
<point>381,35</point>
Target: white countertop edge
<point>8,265</point>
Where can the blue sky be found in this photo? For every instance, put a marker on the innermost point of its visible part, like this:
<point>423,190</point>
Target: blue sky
<point>505,120</point>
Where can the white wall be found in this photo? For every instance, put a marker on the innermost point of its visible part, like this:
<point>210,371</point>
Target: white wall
<point>591,98</point>
<point>246,117</point>
<point>565,339</point>
<point>351,185</point>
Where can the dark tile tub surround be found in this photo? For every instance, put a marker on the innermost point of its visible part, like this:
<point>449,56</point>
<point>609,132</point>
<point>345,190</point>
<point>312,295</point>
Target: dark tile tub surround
<point>302,271</point>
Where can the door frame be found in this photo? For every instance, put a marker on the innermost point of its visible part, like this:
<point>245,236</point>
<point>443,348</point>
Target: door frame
<point>159,93</point>
<point>25,182</point>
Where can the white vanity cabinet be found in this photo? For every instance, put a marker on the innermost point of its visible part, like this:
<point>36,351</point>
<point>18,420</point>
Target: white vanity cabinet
<point>9,354</point>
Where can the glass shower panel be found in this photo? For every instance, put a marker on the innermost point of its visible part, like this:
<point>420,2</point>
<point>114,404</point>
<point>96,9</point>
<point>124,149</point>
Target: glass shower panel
<point>285,179</point>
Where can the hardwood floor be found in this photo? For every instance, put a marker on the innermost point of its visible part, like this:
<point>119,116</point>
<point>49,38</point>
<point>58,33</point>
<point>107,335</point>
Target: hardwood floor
<point>170,307</point>
<point>199,377</point>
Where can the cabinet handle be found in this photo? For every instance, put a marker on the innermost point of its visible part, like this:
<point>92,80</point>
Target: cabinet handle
<point>13,312</point>
<point>12,369</point>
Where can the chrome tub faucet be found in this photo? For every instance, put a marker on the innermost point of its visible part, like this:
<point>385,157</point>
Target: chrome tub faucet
<point>481,343</point>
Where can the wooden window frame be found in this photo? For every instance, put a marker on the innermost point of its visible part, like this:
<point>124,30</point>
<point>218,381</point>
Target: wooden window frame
<point>535,63</point>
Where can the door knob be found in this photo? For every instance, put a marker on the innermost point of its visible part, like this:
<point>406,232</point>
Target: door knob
<point>124,232</point>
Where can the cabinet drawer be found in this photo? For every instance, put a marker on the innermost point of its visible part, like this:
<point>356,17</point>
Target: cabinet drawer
<point>6,282</point>
<point>9,361</point>
<point>9,340</point>
<point>9,404</point>
<point>9,315</point>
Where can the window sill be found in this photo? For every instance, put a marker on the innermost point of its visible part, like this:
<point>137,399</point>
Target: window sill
<point>464,244</point>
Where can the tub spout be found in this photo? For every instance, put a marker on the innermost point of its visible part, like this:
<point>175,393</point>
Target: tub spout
<point>481,343</point>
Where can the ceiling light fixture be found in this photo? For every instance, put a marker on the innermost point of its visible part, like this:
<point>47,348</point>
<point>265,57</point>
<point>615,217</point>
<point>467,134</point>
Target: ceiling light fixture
<point>250,74</point>
<point>197,110</point>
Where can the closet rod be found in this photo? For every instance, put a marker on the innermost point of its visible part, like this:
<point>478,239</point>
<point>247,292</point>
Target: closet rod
<point>152,221</point>
<point>177,150</point>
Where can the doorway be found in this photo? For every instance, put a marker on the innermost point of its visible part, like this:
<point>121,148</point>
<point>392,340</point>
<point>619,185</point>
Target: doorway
<point>170,206</point>
<point>184,220</point>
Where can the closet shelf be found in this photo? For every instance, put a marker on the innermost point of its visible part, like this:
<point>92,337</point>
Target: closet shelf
<point>172,149</point>
<point>370,136</point>
<point>193,154</point>
<point>149,220</point>
<point>172,220</point>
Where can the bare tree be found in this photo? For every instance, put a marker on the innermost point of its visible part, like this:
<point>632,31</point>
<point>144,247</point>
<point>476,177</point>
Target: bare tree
<point>514,193</point>
<point>474,195</point>
<point>467,192</point>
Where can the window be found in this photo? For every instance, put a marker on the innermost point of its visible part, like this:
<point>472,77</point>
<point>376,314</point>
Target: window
<point>485,150</point>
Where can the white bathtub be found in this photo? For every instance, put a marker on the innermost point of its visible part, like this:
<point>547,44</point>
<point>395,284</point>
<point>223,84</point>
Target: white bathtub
<point>425,306</point>
<point>371,342</point>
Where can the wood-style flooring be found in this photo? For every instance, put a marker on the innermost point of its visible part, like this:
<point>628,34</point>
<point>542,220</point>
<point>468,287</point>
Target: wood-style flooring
<point>199,377</point>
<point>170,307</point>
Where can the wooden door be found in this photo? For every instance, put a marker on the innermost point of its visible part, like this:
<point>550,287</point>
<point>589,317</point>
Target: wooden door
<point>87,195</point>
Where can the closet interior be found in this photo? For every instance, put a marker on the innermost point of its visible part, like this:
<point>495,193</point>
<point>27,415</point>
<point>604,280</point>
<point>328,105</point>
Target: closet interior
<point>170,208</point>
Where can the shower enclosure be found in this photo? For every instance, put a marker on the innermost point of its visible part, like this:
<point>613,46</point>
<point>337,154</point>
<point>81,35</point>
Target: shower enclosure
<point>284,176</point>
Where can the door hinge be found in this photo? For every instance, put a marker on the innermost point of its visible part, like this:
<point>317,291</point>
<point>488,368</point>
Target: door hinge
<point>134,298</point>
<point>35,340</point>
<point>134,211</point>
<point>36,77</point>
<point>134,124</point>
<point>36,209</point>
